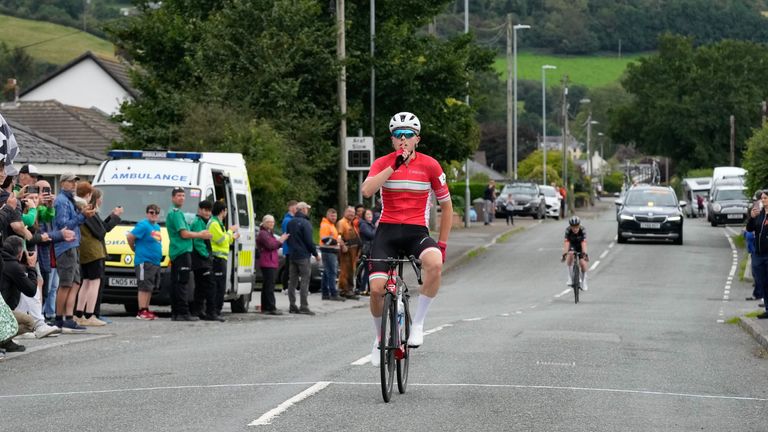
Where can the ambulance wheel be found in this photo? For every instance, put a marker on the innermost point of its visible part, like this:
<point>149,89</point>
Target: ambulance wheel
<point>240,304</point>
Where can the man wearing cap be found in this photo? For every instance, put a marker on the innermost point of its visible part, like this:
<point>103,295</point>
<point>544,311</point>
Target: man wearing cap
<point>28,176</point>
<point>67,253</point>
<point>302,247</point>
<point>180,252</point>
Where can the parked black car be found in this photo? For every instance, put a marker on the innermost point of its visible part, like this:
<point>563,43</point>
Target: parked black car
<point>650,212</point>
<point>528,200</point>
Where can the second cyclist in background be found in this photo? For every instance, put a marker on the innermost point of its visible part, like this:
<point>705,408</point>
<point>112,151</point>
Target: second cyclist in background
<point>576,240</point>
<point>407,179</point>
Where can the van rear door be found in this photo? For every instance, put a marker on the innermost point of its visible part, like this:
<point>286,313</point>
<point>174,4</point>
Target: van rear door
<point>242,216</point>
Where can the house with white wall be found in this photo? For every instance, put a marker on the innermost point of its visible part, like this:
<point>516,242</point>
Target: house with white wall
<point>89,81</point>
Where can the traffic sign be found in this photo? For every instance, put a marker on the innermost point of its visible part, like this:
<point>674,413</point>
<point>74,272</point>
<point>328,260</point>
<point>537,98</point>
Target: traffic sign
<point>359,153</point>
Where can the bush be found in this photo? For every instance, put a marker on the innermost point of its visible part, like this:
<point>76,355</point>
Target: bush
<point>612,182</point>
<point>476,190</point>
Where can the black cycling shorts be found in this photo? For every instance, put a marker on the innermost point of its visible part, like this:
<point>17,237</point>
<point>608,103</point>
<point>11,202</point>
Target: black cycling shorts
<point>395,240</point>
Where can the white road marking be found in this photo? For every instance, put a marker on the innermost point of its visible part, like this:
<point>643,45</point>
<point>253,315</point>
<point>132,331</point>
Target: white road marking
<point>550,363</point>
<point>518,312</point>
<point>271,414</point>
<point>361,361</point>
<point>144,389</point>
<point>367,359</point>
<point>563,293</point>
<point>437,329</point>
<point>534,306</point>
<point>721,321</point>
<point>317,386</point>
<point>594,266</point>
<point>602,255</point>
<point>611,245</point>
<point>505,314</point>
<point>582,389</point>
<point>472,319</point>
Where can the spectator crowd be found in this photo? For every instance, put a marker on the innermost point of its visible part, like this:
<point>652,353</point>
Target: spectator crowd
<point>54,252</point>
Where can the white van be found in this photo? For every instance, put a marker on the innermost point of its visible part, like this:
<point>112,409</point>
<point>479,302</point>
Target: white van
<point>693,187</point>
<point>134,179</point>
<point>726,173</point>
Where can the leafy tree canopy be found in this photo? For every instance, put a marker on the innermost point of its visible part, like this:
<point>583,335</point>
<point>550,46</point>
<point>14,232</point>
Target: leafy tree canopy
<point>239,69</point>
<point>683,98</point>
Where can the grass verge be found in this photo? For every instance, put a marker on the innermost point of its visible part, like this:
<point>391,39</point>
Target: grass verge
<point>506,236</point>
<point>734,320</point>
<point>753,314</point>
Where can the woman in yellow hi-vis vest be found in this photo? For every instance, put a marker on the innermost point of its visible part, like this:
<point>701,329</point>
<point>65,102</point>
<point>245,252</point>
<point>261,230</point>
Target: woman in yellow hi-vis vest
<point>221,239</point>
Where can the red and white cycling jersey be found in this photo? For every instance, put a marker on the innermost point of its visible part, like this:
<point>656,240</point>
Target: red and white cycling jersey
<point>407,194</point>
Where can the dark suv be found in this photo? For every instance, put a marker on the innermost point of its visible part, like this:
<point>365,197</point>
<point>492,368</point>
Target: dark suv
<point>527,199</point>
<point>650,212</point>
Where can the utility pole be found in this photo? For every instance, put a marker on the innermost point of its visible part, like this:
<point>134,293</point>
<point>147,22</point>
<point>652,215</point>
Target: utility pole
<point>733,140</point>
<point>510,169</point>
<point>373,68</point>
<point>565,132</point>
<point>341,53</point>
<point>467,196</point>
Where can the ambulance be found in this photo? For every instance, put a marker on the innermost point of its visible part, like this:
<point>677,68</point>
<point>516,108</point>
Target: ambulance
<point>134,179</point>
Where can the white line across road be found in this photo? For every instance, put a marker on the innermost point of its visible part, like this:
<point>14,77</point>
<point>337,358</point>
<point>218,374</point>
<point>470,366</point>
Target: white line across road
<point>271,414</point>
<point>318,386</point>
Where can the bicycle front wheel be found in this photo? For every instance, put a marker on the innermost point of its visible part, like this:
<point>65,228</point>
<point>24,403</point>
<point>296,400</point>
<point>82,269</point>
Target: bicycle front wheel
<point>402,363</point>
<point>576,279</point>
<point>387,347</point>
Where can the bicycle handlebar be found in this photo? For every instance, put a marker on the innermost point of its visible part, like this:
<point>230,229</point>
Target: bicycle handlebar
<point>392,262</point>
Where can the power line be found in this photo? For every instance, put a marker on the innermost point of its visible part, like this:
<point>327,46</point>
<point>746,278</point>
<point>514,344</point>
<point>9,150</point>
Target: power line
<point>49,40</point>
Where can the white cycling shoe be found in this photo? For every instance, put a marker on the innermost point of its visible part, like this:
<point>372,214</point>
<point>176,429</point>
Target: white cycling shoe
<point>584,285</point>
<point>416,338</point>
<point>375,356</point>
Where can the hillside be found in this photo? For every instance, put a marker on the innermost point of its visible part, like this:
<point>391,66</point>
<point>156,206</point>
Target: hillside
<point>49,42</point>
<point>589,71</point>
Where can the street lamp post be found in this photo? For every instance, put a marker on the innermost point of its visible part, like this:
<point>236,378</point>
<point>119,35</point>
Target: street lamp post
<point>602,158</point>
<point>544,117</point>
<point>515,28</point>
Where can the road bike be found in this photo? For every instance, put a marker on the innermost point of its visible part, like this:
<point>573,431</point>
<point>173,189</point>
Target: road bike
<point>575,274</point>
<point>395,323</point>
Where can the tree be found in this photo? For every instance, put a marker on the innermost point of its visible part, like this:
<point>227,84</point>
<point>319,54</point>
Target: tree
<point>756,160</point>
<point>683,97</point>
<point>274,65</point>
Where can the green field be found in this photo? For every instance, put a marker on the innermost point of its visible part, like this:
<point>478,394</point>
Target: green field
<point>590,71</point>
<point>49,42</point>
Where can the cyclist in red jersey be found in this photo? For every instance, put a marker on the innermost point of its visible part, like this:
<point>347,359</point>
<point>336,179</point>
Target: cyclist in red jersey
<point>408,180</point>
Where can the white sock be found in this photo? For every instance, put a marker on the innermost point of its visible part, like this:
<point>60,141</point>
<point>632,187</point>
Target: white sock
<point>421,312</point>
<point>377,327</point>
<point>584,276</point>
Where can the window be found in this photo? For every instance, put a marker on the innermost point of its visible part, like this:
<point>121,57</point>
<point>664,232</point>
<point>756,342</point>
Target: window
<point>242,211</point>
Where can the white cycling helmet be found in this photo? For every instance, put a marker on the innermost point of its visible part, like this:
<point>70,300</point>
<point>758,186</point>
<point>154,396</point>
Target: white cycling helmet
<point>574,221</point>
<point>405,120</point>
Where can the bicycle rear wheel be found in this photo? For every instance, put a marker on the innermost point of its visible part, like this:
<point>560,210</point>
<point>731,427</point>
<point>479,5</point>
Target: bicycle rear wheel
<point>576,279</point>
<point>402,363</point>
<point>386,349</point>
